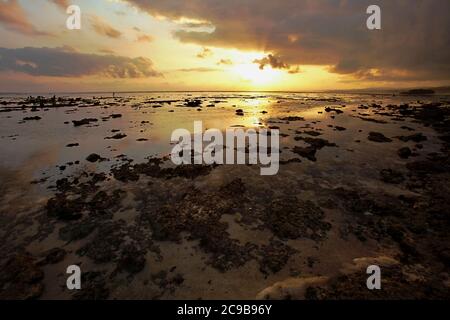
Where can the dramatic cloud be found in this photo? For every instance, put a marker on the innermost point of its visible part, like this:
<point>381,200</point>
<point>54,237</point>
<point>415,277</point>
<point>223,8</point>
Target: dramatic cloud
<point>414,39</point>
<point>272,61</point>
<point>103,28</point>
<point>276,63</point>
<point>66,62</point>
<point>13,17</point>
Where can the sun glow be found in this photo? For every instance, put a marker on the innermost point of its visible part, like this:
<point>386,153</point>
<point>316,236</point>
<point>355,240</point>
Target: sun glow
<point>252,73</point>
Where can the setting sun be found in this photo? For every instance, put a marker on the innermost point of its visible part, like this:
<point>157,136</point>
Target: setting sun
<point>252,73</point>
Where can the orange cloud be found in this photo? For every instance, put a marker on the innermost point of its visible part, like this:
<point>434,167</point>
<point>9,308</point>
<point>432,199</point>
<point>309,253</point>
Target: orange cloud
<point>144,38</point>
<point>13,17</point>
<point>103,28</point>
<point>63,4</point>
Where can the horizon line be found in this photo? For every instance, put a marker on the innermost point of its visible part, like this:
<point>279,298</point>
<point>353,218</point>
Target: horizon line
<point>365,90</point>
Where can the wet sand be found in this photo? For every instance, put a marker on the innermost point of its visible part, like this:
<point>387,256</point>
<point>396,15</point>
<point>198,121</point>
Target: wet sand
<point>87,180</point>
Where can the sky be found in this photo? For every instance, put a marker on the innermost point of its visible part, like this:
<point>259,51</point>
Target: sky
<point>252,45</point>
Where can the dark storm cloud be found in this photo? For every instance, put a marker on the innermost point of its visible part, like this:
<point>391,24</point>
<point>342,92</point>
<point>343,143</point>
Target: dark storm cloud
<point>414,39</point>
<point>66,62</point>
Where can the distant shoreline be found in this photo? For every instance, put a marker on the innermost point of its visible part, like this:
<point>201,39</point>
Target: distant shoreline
<point>438,91</point>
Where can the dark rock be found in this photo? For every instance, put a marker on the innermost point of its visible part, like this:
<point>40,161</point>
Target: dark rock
<point>391,176</point>
<point>306,152</point>
<point>314,145</point>
<point>274,257</point>
<point>290,218</point>
<point>64,209</point>
<point>404,153</point>
<point>21,278</point>
<point>93,158</point>
<point>93,287</point>
<point>426,167</point>
<point>372,120</point>
<point>76,231</point>
<point>418,137</point>
<point>53,256</point>
<point>378,137</point>
<point>31,118</point>
<point>104,247</point>
<point>71,145</point>
<point>310,133</point>
<point>117,136</point>
<point>83,122</point>
<point>132,260</point>
<point>337,111</point>
<point>292,119</point>
<point>193,103</point>
<point>316,142</point>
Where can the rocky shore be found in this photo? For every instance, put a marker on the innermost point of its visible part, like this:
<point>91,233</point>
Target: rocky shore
<point>363,180</point>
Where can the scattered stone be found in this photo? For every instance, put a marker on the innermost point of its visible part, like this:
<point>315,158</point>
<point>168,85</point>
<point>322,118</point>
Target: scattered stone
<point>418,137</point>
<point>310,133</point>
<point>306,152</point>
<point>132,260</point>
<point>53,256</point>
<point>391,176</point>
<point>83,122</point>
<point>404,153</point>
<point>71,145</point>
<point>378,137</point>
<point>64,209</point>
<point>32,118</point>
<point>117,136</point>
<point>274,257</point>
<point>290,218</point>
<point>337,111</point>
<point>77,230</point>
<point>193,103</point>
<point>292,119</point>
<point>21,278</point>
<point>93,287</point>
<point>93,157</point>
